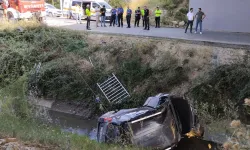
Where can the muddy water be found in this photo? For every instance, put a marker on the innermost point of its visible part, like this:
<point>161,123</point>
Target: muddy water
<point>73,124</point>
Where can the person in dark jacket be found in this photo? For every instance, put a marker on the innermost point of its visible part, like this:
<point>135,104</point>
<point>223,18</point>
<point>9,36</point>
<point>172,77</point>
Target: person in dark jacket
<point>103,15</point>
<point>137,16</point>
<point>120,17</point>
<point>146,17</point>
<point>113,16</point>
<point>128,16</point>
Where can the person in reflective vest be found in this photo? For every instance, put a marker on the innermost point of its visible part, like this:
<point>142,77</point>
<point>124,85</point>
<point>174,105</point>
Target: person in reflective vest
<point>88,13</point>
<point>142,16</point>
<point>113,16</point>
<point>157,17</point>
<point>137,17</point>
<point>128,16</point>
<point>78,11</point>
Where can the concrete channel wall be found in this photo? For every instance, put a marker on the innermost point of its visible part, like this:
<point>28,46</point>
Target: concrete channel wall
<point>224,15</point>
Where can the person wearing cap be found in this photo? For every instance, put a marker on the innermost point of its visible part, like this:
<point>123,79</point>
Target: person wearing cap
<point>157,17</point>
<point>103,15</point>
<point>128,16</point>
<point>78,11</point>
<point>137,16</point>
<point>142,16</point>
<point>88,13</point>
<point>120,17</point>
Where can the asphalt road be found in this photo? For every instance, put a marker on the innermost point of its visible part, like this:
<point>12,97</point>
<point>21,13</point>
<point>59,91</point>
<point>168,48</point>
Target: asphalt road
<point>175,33</point>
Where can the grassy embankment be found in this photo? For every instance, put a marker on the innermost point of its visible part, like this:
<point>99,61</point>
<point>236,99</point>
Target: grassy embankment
<point>56,49</point>
<point>65,70</point>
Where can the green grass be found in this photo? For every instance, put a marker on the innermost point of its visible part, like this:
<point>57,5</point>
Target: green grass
<point>34,132</point>
<point>18,119</point>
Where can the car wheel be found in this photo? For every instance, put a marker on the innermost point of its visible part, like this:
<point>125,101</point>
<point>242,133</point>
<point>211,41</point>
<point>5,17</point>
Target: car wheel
<point>51,14</point>
<point>10,16</point>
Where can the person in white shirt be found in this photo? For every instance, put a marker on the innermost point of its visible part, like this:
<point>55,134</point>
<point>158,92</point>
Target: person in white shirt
<point>190,16</point>
<point>97,14</point>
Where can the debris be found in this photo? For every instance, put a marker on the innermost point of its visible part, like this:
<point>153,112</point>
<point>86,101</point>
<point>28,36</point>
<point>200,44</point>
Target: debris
<point>182,23</point>
<point>2,141</point>
<point>8,140</point>
<point>174,23</point>
<point>235,123</point>
<point>247,101</point>
<point>191,134</point>
<point>236,147</point>
<point>209,146</point>
<point>227,145</point>
<point>239,134</point>
<point>20,29</point>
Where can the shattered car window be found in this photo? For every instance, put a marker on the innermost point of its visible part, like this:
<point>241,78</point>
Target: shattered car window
<point>100,133</point>
<point>152,102</point>
<point>113,133</point>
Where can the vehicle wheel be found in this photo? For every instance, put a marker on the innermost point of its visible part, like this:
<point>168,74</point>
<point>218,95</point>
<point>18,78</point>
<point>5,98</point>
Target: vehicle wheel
<point>10,16</point>
<point>51,14</point>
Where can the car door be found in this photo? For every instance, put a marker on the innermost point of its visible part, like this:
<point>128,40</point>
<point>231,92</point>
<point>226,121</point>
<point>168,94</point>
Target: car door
<point>157,130</point>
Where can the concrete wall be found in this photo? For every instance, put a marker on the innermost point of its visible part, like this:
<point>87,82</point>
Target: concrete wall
<point>224,15</point>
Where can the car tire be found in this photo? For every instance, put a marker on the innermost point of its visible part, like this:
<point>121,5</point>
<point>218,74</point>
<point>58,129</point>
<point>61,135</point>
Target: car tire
<point>10,16</point>
<point>51,14</point>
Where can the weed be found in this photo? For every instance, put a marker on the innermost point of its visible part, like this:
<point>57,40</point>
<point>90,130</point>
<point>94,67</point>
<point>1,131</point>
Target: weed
<point>225,88</point>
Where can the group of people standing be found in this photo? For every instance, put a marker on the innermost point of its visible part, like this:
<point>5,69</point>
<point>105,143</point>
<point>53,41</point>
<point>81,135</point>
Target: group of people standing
<point>117,17</point>
<point>200,16</point>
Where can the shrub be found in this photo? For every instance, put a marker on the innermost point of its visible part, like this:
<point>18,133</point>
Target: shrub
<point>180,16</point>
<point>225,88</point>
<point>184,11</point>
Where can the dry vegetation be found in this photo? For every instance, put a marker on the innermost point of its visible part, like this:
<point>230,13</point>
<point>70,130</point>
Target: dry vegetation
<point>214,78</point>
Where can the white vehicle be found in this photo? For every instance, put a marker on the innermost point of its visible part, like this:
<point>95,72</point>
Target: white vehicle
<point>69,5</point>
<point>24,9</point>
<point>52,11</point>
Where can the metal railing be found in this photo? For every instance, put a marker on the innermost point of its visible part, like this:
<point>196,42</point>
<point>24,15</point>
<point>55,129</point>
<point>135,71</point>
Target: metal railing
<point>113,90</point>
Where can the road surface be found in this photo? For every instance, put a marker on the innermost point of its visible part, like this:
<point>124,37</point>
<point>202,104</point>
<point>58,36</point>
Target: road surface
<point>174,33</point>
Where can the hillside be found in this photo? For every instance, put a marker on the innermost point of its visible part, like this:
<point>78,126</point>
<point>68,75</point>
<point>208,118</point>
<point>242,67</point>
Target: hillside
<point>214,78</point>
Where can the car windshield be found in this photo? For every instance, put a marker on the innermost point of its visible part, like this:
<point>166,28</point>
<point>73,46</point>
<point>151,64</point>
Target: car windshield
<point>152,102</point>
<point>51,7</point>
<point>75,2</point>
<point>107,6</point>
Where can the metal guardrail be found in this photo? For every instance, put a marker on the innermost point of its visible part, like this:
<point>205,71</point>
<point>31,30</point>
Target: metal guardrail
<point>113,90</point>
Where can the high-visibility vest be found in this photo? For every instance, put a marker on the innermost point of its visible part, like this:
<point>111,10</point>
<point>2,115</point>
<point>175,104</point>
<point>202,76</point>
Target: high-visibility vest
<point>88,13</point>
<point>142,12</point>
<point>157,13</point>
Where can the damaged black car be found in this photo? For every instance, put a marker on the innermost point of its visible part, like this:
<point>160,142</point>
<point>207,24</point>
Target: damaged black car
<point>160,123</point>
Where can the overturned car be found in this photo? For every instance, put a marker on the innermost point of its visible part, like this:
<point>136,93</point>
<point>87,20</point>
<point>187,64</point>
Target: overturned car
<point>160,123</point>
